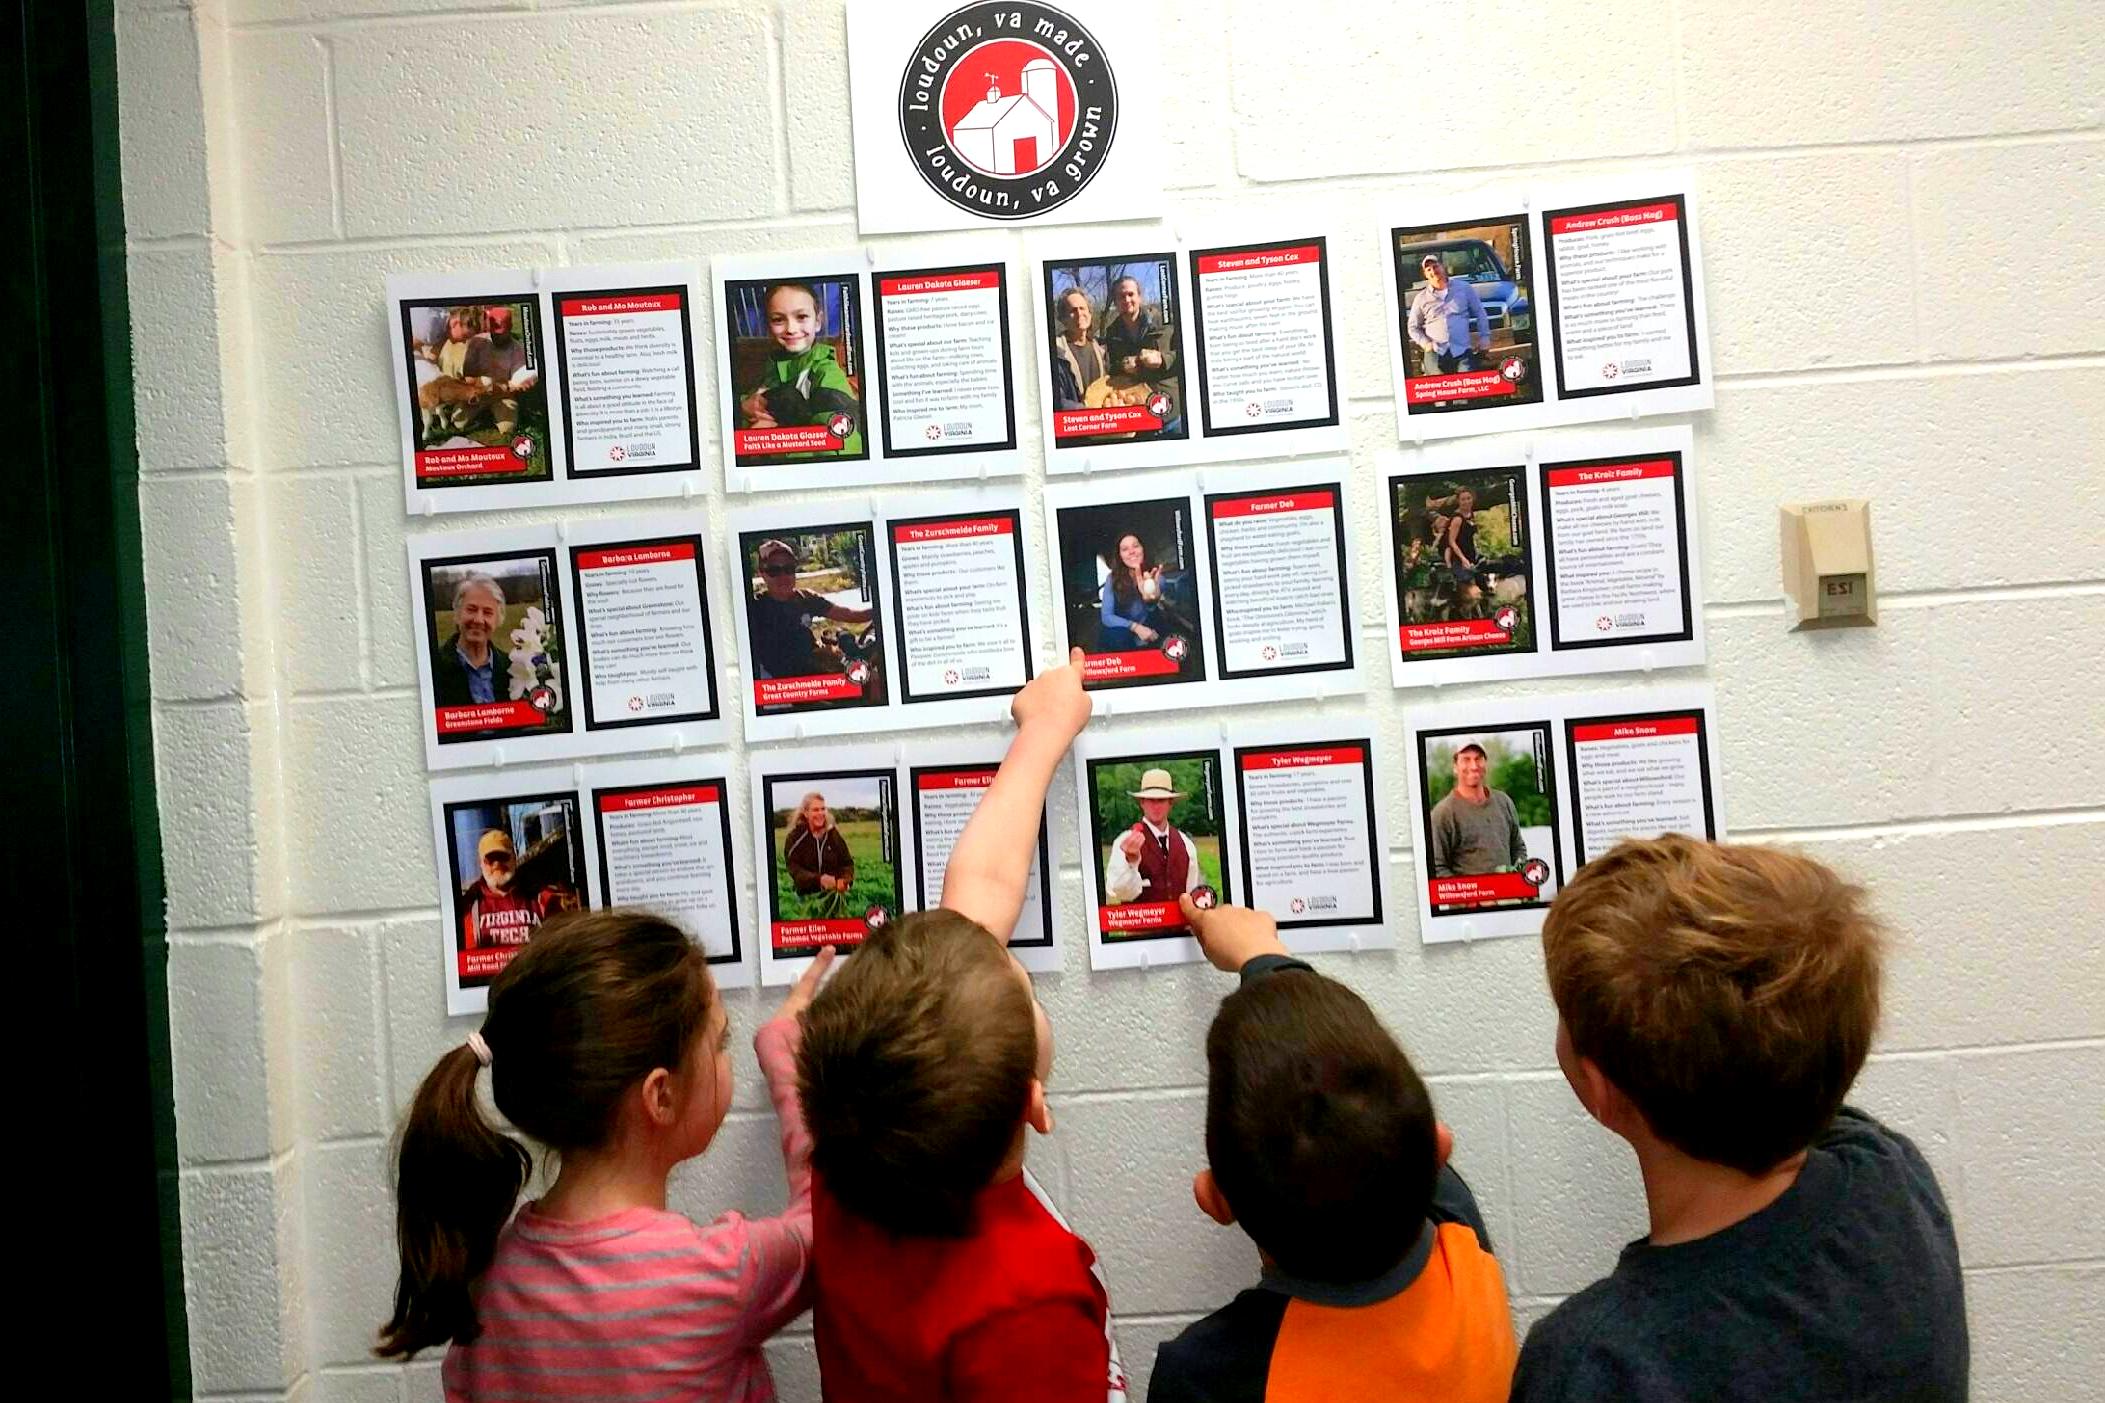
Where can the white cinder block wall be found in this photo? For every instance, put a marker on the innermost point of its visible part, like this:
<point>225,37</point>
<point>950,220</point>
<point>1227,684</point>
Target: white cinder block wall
<point>1907,282</point>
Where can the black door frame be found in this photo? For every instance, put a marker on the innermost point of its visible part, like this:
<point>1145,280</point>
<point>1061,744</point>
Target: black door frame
<point>91,1094</point>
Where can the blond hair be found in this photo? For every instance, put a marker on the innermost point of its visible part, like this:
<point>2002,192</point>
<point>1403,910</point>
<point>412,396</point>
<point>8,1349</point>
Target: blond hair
<point>1729,991</point>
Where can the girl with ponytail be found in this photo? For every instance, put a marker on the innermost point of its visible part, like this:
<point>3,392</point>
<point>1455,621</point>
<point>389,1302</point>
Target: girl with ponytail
<point>606,1044</point>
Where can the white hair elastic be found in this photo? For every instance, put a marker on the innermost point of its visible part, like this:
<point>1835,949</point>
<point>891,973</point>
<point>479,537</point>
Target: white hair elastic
<point>480,1048</point>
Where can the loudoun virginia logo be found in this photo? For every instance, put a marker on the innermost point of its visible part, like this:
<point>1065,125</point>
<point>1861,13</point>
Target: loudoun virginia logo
<point>1008,110</point>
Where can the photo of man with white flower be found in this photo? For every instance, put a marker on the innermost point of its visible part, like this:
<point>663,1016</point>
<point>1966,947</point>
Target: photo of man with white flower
<point>494,628</point>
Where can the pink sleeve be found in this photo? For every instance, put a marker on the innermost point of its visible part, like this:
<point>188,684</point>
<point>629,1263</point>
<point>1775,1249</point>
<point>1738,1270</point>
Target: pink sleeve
<point>778,1250</point>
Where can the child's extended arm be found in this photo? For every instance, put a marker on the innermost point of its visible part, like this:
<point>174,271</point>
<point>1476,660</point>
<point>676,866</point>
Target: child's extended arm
<point>990,866</point>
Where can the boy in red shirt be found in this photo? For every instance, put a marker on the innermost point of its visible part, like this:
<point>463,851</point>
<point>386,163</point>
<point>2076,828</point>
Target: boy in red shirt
<point>939,1269</point>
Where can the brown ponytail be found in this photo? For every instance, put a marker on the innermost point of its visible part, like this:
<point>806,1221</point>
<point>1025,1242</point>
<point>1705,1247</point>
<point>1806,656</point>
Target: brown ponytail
<point>597,1002</point>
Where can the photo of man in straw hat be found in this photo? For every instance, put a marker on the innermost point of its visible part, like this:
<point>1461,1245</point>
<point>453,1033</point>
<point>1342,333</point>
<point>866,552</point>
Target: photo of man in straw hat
<point>1154,860</point>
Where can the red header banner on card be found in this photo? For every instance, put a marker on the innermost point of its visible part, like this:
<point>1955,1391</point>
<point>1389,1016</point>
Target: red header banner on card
<point>963,529</point>
<point>620,306</point>
<point>1240,261</point>
<point>939,282</point>
<point>1148,662</point>
<point>678,796</point>
<point>955,779</point>
<point>1453,633</point>
<point>1635,730</point>
<point>1302,759</point>
<point>785,691</point>
<point>1273,505</point>
<point>802,438</point>
<point>838,931</point>
<point>1112,419</point>
<point>468,462</point>
<point>1663,213</point>
<point>487,716</point>
<point>1464,384</point>
<point>1583,476</point>
<point>1139,916</point>
<point>618,557</point>
<point>1491,886</point>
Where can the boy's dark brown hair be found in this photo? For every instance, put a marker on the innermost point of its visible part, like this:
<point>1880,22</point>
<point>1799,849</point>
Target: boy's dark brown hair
<point>1729,991</point>
<point>915,1070</point>
<point>1319,1132</point>
<point>597,1002</point>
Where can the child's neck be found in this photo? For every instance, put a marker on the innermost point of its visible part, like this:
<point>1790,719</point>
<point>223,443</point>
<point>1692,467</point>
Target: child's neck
<point>1692,1198</point>
<point>596,1183</point>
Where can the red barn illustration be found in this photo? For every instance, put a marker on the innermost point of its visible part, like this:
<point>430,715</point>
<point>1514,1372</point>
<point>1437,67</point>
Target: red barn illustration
<point>1014,134</point>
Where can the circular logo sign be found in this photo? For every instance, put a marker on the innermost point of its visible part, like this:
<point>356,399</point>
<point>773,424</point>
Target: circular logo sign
<point>1008,110</point>
<point>541,699</point>
<point>616,453</point>
<point>523,447</point>
<point>1513,369</point>
<point>858,672</point>
<point>1506,618</point>
<point>635,703</point>
<point>1205,898</point>
<point>840,426</point>
<point>1297,906</point>
<point>1175,648</point>
<point>876,918</point>
<point>1534,871</point>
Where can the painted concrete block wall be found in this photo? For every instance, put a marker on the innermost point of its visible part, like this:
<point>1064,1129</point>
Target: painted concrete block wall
<point>1905,271</point>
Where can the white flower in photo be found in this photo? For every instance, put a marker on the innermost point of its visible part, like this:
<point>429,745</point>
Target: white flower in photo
<point>532,665</point>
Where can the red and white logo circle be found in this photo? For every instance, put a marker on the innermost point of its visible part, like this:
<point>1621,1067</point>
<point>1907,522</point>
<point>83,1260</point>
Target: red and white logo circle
<point>1604,623</point>
<point>1610,370</point>
<point>858,672</point>
<point>932,432</point>
<point>840,426</point>
<point>1270,652</point>
<point>617,453</point>
<point>1506,618</point>
<point>635,703</point>
<point>1534,871</point>
<point>523,446</point>
<point>1174,648</point>
<point>1007,109</point>
<point>876,918</point>
<point>541,699</point>
<point>1158,405</point>
<point>1297,906</point>
<point>1253,409</point>
<point>1513,370</point>
<point>950,677</point>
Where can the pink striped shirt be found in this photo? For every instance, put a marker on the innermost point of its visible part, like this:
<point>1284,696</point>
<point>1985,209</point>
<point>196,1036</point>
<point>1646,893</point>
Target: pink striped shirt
<point>645,1304</point>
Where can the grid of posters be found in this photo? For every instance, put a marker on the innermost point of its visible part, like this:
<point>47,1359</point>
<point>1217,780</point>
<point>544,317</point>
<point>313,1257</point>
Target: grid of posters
<point>1502,564</point>
<point>984,115</point>
<point>1279,817</point>
<point>1511,798</point>
<point>1163,352</point>
<point>1183,591</point>
<point>545,387</point>
<point>853,837</point>
<point>1521,308</point>
<point>835,372</point>
<point>850,620</point>
<point>546,641</point>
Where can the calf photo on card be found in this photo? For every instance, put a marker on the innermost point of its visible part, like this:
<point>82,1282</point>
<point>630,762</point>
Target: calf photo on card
<point>1158,826</point>
<point>810,618</point>
<point>793,376</point>
<point>958,586</point>
<point>1261,327</point>
<point>627,360</point>
<point>830,829</point>
<point>473,366</point>
<point>945,360</point>
<point>1282,600</point>
<point>1615,544</point>
<point>663,829</point>
<point>1114,354</point>
<point>1487,800</point>
<point>945,795</point>
<point>646,652</point>
<point>1465,315</point>
<point>1639,774</point>
<point>1313,853</point>
<point>1131,591</point>
<point>1459,543</point>
<point>510,857</point>
<point>495,640</point>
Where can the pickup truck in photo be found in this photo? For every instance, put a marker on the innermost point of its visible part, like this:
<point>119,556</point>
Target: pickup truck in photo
<point>1476,263</point>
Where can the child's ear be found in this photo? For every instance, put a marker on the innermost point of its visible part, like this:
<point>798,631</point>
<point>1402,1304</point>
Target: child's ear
<point>1212,1202</point>
<point>1443,1143</point>
<point>1036,1113</point>
<point>661,1102</point>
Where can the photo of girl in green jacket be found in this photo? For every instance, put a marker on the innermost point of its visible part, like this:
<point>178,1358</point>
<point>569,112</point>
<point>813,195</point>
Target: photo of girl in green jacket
<point>803,380</point>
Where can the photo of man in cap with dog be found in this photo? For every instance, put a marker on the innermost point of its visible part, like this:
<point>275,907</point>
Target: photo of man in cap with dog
<point>811,610</point>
